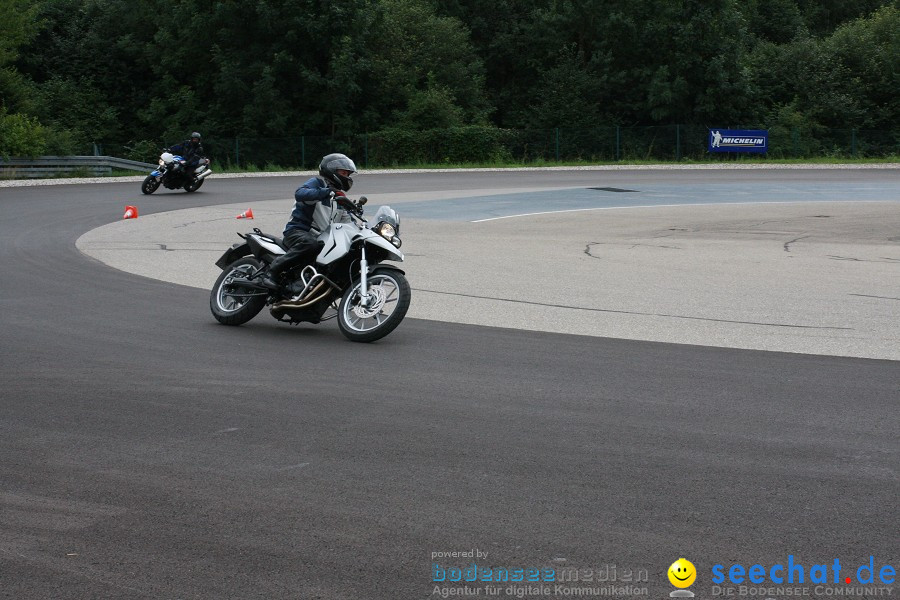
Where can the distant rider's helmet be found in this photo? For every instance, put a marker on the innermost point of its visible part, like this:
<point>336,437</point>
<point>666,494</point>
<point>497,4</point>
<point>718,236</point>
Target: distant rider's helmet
<point>195,138</point>
<point>330,166</point>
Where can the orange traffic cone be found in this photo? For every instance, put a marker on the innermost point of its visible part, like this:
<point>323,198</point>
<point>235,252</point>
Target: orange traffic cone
<point>247,214</point>
<point>131,212</point>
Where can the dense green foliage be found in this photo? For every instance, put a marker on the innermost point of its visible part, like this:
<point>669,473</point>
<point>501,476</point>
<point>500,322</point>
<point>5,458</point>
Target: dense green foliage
<point>480,78</point>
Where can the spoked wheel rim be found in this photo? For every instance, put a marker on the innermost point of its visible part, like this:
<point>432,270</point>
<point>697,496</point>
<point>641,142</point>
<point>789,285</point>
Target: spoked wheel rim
<point>228,298</point>
<point>384,294</point>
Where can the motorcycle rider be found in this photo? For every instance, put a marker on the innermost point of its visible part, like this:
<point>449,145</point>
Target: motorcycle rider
<point>191,151</point>
<point>312,214</point>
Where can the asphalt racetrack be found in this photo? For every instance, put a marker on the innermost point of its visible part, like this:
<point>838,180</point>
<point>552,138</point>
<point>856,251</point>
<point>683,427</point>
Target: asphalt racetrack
<point>681,363</point>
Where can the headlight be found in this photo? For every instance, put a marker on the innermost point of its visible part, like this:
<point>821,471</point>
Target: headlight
<point>386,230</point>
<point>161,163</point>
<point>396,242</point>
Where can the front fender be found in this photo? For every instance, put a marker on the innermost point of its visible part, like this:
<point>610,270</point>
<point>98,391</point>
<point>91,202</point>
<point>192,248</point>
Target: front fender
<point>377,240</point>
<point>386,267</point>
<point>232,254</point>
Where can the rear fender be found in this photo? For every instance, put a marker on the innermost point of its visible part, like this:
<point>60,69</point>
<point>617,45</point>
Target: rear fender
<point>232,254</point>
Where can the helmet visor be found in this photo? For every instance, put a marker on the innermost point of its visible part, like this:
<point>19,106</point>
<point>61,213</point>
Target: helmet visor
<point>340,162</point>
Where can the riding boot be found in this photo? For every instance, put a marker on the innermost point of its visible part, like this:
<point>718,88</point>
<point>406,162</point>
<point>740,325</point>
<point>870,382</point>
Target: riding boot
<point>270,279</point>
<point>300,244</point>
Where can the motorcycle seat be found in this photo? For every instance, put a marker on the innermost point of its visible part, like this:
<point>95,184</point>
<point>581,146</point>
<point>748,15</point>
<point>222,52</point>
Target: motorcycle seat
<point>278,240</point>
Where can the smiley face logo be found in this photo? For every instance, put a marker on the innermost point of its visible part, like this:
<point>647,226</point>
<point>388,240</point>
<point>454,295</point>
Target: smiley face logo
<point>682,573</point>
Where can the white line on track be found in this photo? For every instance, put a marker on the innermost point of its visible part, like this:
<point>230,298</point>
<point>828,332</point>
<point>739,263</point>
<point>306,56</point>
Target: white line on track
<point>554,212</point>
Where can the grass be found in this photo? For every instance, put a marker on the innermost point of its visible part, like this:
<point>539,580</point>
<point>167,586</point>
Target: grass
<point>574,163</point>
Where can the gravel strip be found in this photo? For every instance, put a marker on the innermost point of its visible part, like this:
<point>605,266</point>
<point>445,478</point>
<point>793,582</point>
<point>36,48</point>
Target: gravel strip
<point>673,167</point>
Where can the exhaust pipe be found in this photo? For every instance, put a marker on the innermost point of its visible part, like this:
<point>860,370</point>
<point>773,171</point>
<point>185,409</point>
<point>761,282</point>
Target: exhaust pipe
<point>204,174</point>
<point>311,297</point>
<point>304,301</point>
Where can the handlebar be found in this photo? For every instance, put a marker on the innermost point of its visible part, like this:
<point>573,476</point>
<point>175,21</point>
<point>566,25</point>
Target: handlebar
<point>354,208</point>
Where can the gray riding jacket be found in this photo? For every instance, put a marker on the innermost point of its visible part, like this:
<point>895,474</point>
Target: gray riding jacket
<point>313,208</point>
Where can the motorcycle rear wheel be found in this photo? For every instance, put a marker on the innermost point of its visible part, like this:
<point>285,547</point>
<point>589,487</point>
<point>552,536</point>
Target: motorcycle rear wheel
<point>391,295</point>
<point>150,184</point>
<point>193,186</point>
<point>225,301</point>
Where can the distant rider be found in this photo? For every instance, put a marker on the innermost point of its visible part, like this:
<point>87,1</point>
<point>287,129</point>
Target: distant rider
<point>312,214</point>
<point>190,150</point>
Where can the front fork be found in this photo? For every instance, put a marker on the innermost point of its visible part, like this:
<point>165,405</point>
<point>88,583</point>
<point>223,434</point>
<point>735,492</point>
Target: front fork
<point>364,298</point>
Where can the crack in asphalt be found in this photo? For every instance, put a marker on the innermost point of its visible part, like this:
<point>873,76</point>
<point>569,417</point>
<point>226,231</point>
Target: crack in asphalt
<point>202,221</point>
<point>630,312</point>
<point>879,297</point>
<point>787,245</point>
<point>587,249</point>
<point>882,259</point>
<point>165,248</point>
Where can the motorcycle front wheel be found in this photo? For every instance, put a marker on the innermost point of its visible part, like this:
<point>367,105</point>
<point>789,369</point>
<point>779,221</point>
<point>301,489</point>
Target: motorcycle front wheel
<point>150,184</point>
<point>235,305</point>
<point>389,296</point>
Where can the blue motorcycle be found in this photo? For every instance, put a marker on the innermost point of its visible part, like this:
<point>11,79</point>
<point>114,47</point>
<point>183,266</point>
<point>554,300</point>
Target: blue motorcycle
<point>174,174</point>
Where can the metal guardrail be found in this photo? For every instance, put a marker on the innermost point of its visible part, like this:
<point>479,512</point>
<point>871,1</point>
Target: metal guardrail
<point>50,166</point>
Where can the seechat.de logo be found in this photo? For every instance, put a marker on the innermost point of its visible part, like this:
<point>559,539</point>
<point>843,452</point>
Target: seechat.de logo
<point>792,571</point>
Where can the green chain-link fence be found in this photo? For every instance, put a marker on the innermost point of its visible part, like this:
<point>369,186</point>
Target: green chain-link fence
<point>486,145</point>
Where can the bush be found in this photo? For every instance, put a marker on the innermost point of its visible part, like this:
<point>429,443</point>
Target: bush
<point>63,143</point>
<point>453,145</point>
<point>21,136</point>
<point>147,151</point>
<point>794,134</point>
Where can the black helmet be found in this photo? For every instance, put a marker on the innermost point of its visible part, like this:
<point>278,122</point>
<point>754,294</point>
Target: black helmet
<point>195,135</point>
<point>328,169</point>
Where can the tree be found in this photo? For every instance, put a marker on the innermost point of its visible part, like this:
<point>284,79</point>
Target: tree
<point>17,27</point>
<point>867,50</point>
<point>567,94</point>
<point>77,106</point>
<point>413,50</point>
<point>822,17</point>
<point>88,66</point>
<point>279,68</point>
<point>154,70</point>
<point>778,21</point>
<point>846,80</point>
<point>431,108</point>
<point>804,78</point>
<point>504,38</point>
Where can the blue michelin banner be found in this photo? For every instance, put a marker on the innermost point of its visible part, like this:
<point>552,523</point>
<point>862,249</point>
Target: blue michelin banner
<point>738,140</point>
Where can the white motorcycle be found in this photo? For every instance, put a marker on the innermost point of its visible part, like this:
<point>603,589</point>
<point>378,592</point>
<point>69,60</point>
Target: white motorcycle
<point>174,174</point>
<point>349,281</point>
